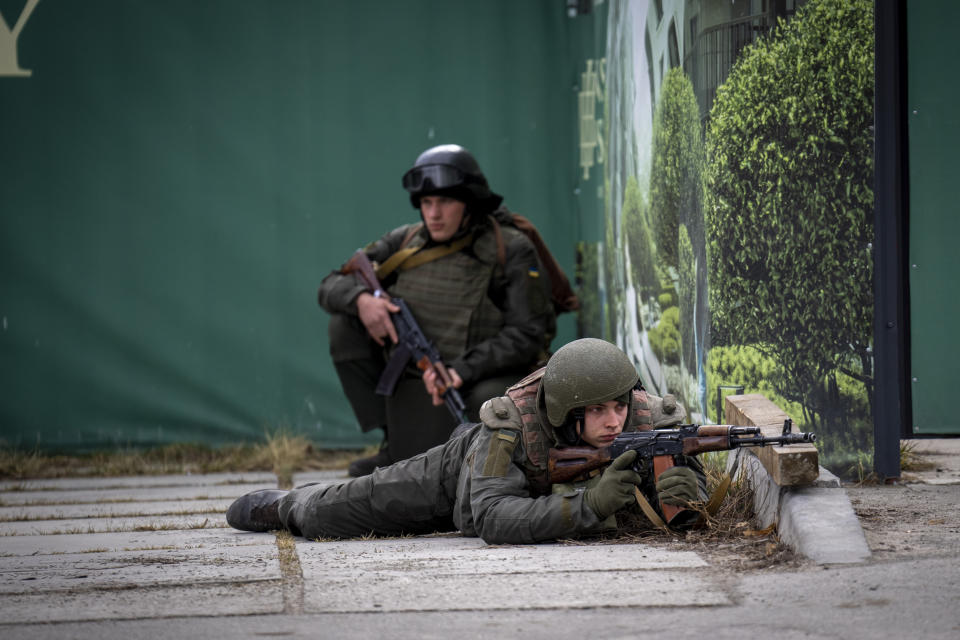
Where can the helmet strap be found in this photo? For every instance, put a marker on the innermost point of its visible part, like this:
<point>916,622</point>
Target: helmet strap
<point>579,415</point>
<point>572,428</point>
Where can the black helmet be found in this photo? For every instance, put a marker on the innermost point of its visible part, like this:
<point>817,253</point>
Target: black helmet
<point>449,170</point>
<point>584,372</point>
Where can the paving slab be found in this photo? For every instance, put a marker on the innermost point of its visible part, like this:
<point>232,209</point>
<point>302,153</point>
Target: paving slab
<point>130,494</point>
<point>244,598</point>
<point>112,510</point>
<point>943,458</point>
<point>455,573</point>
<point>454,554</point>
<point>542,590</point>
<point>212,520</point>
<point>31,545</point>
<point>934,446</point>
<point>137,569</point>
<point>178,480</point>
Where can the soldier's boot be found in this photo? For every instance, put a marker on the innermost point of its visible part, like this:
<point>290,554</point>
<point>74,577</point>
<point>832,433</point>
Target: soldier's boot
<point>365,466</point>
<point>256,511</point>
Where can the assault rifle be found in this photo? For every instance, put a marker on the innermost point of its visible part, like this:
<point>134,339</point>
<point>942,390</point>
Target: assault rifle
<point>411,343</point>
<point>663,448</point>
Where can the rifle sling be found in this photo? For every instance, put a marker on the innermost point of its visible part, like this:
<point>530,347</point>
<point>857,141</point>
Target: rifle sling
<point>413,256</point>
<point>391,263</point>
<point>716,499</point>
<point>649,510</point>
<point>394,369</point>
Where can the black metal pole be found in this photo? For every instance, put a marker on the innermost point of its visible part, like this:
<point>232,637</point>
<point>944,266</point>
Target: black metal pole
<point>891,417</point>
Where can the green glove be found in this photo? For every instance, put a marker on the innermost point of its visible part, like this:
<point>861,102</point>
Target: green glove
<point>678,486</point>
<point>616,487</point>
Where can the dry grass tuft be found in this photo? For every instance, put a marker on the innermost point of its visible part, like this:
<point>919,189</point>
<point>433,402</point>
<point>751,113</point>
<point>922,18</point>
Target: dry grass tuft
<point>281,453</point>
<point>910,460</point>
<point>728,536</point>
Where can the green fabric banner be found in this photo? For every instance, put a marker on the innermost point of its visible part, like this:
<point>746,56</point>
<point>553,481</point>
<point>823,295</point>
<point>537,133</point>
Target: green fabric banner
<point>179,176</point>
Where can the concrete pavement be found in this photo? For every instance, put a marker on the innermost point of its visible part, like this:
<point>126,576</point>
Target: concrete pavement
<point>152,557</point>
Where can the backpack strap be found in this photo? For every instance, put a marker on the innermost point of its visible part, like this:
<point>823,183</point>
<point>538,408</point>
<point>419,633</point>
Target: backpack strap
<point>501,250</point>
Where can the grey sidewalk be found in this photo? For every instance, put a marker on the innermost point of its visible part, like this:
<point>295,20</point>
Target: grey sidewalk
<point>153,558</point>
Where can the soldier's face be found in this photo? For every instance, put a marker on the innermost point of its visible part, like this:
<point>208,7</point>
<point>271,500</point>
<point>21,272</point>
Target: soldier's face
<point>603,422</point>
<point>442,215</point>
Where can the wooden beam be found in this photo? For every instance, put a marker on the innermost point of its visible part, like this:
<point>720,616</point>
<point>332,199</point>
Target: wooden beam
<point>788,466</point>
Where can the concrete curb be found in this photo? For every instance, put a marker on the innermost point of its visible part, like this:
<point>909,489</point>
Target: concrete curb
<point>816,521</point>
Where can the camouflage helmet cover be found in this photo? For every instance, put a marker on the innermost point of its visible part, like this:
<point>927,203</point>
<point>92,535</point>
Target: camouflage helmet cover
<point>584,372</point>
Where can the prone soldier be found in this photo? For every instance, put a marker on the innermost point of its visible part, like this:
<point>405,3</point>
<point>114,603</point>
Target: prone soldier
<point>490,479</point>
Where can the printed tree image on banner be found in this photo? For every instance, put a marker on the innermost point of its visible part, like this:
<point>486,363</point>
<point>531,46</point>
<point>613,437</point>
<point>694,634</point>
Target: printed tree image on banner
<point>738,207</point>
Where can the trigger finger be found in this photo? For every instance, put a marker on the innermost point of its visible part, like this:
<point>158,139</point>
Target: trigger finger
<point>625,459</point>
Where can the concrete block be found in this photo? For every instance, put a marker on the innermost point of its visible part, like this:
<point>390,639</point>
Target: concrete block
<point>789,465</point>
<point>827,480</point>
<point>821,524</point>
<point>766,492</point>
<point>816,521</point>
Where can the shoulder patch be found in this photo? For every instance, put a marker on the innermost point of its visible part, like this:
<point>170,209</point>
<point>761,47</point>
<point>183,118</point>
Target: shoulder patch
<point>500,453</point>
<point>501,413</point>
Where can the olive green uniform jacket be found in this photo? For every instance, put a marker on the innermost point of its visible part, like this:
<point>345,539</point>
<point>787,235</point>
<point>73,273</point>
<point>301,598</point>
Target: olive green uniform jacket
<point>475,482</point>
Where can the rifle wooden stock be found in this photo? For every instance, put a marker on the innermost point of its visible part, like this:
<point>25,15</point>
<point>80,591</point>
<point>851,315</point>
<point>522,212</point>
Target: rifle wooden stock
<point>444,379</point>
<point>715,438</point>
<point>568,463</point>
<point>702,444</point>
<point>661,464</point>
<point>360,264</point>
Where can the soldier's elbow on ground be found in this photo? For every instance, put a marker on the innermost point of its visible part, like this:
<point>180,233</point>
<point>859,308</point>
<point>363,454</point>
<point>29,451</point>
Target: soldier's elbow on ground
<point>500,532</point>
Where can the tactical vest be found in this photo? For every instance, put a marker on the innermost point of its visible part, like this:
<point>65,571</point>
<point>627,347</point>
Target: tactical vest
<point>538,438</point>
<point>448,296</point>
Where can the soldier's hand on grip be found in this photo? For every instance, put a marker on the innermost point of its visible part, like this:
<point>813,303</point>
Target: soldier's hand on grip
<point>677,486</point>
<point>616,487</point>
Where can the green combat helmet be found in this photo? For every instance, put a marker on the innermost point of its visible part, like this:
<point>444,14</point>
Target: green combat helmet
<point>584,372</point>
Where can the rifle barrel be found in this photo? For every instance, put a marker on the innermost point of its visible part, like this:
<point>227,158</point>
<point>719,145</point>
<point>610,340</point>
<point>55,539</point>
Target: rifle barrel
<point>789,438</point>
